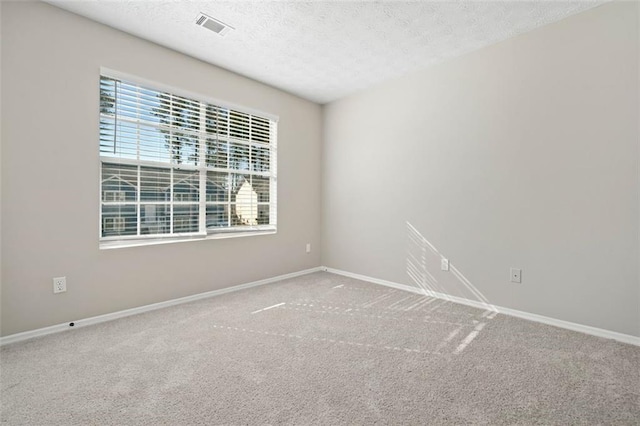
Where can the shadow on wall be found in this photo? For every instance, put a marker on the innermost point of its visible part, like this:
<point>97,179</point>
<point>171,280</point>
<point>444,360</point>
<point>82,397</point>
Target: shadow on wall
<point>423,266</point>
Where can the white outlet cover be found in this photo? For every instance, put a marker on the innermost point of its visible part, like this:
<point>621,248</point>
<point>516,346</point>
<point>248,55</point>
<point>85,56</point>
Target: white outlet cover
<point>59,284</point>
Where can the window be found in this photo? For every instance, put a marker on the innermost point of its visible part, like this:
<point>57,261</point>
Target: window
<point>174,166</point>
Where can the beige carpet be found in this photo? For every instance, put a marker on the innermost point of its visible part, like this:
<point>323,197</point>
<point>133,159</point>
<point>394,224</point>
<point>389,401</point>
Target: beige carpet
<point>319,349</point>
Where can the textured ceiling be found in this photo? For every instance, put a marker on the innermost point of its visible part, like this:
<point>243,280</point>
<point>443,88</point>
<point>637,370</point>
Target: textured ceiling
<point>324,50</point>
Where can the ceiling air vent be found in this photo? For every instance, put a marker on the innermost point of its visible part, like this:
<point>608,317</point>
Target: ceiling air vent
<point>213,24</point>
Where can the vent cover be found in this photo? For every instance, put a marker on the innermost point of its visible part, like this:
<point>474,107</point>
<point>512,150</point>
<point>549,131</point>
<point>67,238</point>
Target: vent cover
<point>213,24</point>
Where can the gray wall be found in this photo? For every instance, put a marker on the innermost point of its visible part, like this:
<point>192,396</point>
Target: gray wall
<point>523,154</point>
<point>51,61</point>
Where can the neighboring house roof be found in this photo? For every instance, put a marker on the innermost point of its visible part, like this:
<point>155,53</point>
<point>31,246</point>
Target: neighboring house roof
<point>115,177</point>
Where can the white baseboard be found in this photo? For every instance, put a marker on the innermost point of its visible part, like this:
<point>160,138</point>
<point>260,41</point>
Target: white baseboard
<point>607,334</point>
<point>18,337</point>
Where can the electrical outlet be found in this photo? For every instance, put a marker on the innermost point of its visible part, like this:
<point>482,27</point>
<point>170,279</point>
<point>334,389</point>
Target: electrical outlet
<point>444,264</point>
<point>59,284</point>
<point>308,247</point>
<point>516,275</point>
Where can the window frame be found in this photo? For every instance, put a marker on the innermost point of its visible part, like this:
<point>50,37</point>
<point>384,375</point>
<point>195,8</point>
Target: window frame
<point>203,202</point>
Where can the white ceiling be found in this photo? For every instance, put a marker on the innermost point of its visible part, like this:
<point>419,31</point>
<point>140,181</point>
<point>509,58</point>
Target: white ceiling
<point>324,50</point>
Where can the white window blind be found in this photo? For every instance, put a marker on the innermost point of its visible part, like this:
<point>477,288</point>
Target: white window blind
<point>175,166</point>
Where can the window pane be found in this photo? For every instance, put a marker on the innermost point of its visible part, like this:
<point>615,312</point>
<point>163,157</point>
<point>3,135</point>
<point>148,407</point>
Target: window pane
<point>183,147</point>
<point>185,218</point>
<point>126,145</point>
<point>260,129</point>
<point>107,95</point>
<point>217,154</point>
<point>217,120</point>
<point>260,159</point>
<point>186,185</point>
<point>153,144</point>
<point>155,184</point>
<point>263,214</point>
<point>148,105</point>
<point>119,183</point>
<point>238,156</point>
<point>217,215</point>
<point>108,137</point>
<point>154,219</point>
<point>178,112</point>
<point>239,125</point>
<point>217,186</point>
<point>261,186</point>
<point>138,103</point>
<point>236,182</point>
<point>185,113</point>
<point>119,220</point>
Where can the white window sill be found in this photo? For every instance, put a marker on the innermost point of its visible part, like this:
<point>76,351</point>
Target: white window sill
<point>108,245</point>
